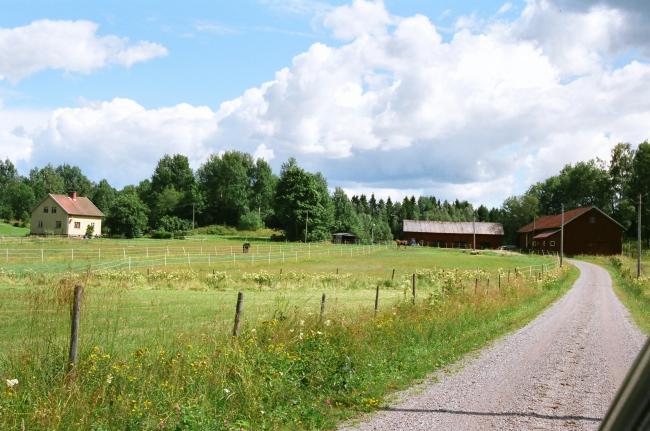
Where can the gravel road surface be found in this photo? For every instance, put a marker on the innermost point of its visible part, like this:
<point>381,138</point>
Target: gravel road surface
<point>560,372</point>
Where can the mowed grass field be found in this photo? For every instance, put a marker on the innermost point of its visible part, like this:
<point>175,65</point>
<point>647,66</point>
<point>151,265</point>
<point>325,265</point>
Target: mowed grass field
<point>191,298</point>
<point>9,230</point>
<point>156,345</point>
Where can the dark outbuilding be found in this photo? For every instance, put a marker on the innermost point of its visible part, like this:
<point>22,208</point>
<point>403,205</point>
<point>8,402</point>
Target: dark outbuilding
<point>344,238</point>
<point>453,234</point>
<point>587,230</point>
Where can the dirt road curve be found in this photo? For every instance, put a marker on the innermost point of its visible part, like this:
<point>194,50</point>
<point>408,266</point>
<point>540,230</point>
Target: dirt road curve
<point>559,372</point>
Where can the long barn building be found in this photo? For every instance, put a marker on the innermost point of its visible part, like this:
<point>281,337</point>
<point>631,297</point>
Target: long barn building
<point>453,234</point>
<point>587,230</point>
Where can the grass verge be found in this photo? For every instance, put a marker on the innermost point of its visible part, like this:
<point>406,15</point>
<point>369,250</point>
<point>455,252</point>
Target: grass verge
<point>291,371</point>
<point>633,292</point>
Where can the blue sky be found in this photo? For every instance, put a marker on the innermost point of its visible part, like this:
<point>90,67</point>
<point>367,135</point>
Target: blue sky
<point>216,49</point>
<point>470,100</point>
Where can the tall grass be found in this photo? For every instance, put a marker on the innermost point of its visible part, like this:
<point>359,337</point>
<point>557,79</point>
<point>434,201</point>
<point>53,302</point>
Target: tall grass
<point>634,292</point>
<point>289,370</point>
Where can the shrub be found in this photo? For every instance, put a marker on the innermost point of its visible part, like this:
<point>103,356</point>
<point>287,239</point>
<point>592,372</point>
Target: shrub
<point>161,234</point>
<point>174,224</point>
<point>250,221</point>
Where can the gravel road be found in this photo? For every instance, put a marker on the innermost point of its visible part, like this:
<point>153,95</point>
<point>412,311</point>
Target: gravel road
<point>560,372</point>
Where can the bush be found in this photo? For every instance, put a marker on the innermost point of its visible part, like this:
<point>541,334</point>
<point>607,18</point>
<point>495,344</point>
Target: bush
<point>250,221</point>
<point>180,234</point>
<point>174,224</point>
<point>161,234</point>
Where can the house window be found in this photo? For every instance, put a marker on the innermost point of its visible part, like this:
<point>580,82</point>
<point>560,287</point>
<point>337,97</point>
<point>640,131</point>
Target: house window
<point>92,224</point>
<point>77,225</point>
<point>552,243</point>
<point>58,225</point>
<point>46,210</point>
<point>592,220</point>
<point>53,210</point>
<point>40,223</point>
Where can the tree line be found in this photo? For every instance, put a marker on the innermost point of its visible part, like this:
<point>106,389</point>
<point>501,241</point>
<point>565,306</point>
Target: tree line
<point>235,189</point>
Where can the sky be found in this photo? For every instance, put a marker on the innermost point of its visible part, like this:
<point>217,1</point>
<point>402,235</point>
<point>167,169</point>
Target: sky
<point>456,99</point>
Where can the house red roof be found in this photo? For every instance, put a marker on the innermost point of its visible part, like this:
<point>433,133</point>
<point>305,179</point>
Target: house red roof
<point>554,221</point>
<point>81,206</point>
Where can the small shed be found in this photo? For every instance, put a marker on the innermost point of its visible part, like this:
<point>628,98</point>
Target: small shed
<point>587,230</point>
<point>344,238</point>
<point>454,234</point>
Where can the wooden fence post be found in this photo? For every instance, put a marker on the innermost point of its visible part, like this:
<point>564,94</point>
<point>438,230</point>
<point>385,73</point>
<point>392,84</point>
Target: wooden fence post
<point>74,327</point>
<point>413,286</point>
<point>499,281</point>
<point>392,277</point>
<point>238,311</point>
<point>322,306</point>
<point>376,300</point>
<point>476,285</point>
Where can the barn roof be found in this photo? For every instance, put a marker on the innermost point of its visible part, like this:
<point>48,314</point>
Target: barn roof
<point>81,206</point>
<point>555,221</point>
<point>546,234</point>
<point>457,227</point>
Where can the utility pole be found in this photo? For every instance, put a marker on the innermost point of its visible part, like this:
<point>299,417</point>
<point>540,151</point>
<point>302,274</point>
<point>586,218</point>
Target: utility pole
<point>306,221</point>
<point>638,241</point>
<point>474,231</point>
<point>562,239</point>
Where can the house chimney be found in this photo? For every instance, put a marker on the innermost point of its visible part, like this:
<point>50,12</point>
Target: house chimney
<point>73,196</point>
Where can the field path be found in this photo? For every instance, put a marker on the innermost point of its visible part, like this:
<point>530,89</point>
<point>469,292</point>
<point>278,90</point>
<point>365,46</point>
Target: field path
<point>560,372</point>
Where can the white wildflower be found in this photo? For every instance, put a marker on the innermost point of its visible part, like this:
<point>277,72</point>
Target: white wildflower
<point>226,390</point>
<point>109,379</point>
<point>302,323</point>
<point>328,322</point>
<point>11,383</point>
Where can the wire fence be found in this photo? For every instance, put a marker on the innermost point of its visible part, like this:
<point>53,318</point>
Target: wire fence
<point>138,256</point>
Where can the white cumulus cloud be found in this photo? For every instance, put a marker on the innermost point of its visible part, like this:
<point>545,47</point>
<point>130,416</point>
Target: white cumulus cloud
<point>397,107</point>
<point>71,46</point>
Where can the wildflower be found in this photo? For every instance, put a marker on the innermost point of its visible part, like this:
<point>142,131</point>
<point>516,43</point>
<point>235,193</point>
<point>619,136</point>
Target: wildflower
<point>11,383</point>
<point>302,323</point>
<point>109,379</point>
<point>328,322</point>
<point>226,390</point>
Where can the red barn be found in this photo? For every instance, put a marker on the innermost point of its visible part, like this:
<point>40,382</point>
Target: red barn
<point>586,231</point>
<point>453,234</point>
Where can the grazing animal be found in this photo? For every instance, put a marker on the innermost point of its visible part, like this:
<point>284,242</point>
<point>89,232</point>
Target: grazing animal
<point>246,247</point>
<point>401,243</point>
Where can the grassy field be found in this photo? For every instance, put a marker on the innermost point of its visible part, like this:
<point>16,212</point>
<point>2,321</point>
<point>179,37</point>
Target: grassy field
<point>10,230</point>
<point>633,292</point>
<point>156,350</point>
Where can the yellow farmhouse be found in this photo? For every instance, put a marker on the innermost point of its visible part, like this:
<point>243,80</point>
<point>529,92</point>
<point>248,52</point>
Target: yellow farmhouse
<point>66,215</point>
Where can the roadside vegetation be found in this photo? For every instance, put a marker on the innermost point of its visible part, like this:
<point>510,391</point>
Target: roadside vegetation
<point>634,292</point>
<point>156,350</point>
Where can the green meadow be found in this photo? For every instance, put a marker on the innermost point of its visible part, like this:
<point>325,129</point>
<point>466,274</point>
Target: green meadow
<point>156,350</point>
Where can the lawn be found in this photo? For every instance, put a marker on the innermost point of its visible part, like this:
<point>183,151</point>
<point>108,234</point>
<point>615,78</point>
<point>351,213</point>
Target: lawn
<point>156,345</point>
<point>10,230</point>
